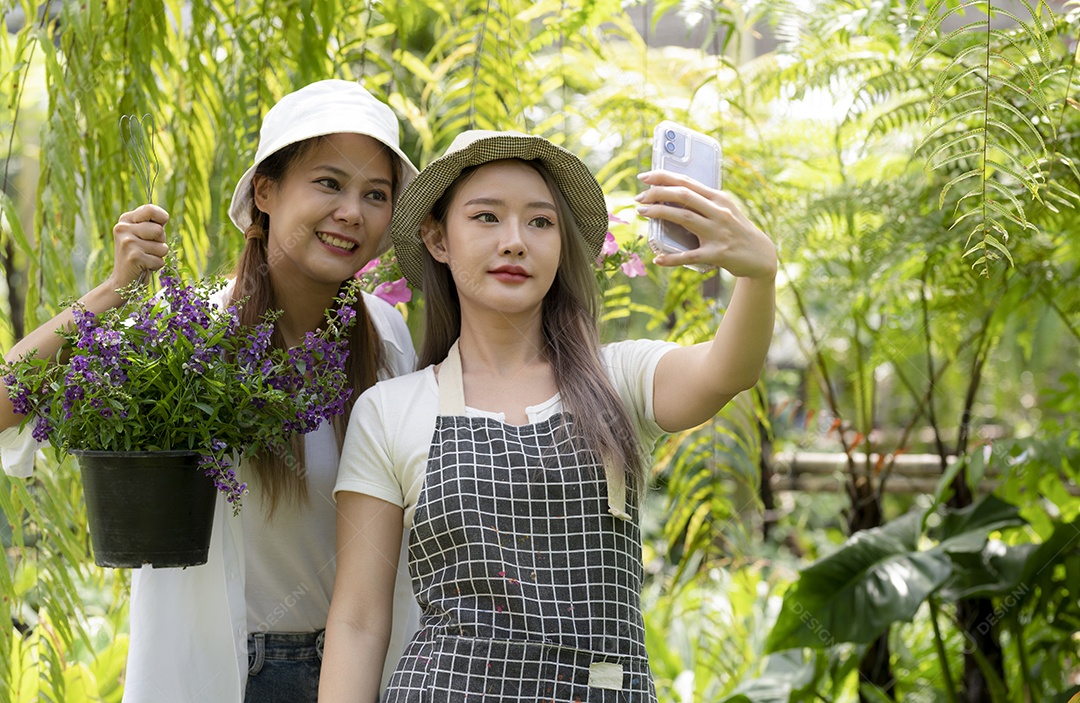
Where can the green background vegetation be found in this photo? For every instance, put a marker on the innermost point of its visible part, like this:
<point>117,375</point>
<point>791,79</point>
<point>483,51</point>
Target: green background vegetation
<point>915,166</point>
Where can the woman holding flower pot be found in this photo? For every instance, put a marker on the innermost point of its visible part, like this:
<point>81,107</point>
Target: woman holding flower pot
<point>314,208</point>
<point>520,467</point>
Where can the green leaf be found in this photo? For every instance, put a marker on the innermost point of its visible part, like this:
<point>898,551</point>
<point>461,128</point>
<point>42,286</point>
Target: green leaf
<point>209,410</point>
<point>80,686</point>
<point>955,119</point>
<point>996,102</point>
<point>996,244</point>
<point>996,571</point>
<point>785,672</point>
<point>962,177</point>
<point>969,27</point>
<point>876,578</point>
<point>1064,539</point>
<point>967,529</point>
<point>952,141</point>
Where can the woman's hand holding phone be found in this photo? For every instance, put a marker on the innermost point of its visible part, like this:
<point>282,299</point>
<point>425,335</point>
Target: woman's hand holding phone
<point>727,238</point>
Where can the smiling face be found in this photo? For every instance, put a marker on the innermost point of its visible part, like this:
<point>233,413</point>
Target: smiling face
<point>329,211</point>
<point>500,239</point>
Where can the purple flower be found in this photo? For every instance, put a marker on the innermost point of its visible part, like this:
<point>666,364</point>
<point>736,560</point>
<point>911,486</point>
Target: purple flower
<point>79,376</point>
<point>73,393</point>
<point>79,363</point>
<point>42,429</point>
<point>345,315</point>
<point>149,325</point>
<point>85,323</point>
<point>19,394</point>
<point>612,218</point>
<point>633,266</point>
<point>233,322</point>
<point>220,470</point>
<point>393,292</point>
<point>200,358</point>
<point>177,354</point>
<point>254,348</point>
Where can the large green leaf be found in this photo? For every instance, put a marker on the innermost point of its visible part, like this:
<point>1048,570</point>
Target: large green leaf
<point>967,529</point>
<point>1065,540</point>
<point>876,578</point>
<point>784,673</point>
<point>997,570</point>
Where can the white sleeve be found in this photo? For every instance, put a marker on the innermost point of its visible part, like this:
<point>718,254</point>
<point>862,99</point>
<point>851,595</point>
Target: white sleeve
<point>396,340</point>
<point>17,451</point>
<point>631,366</point>
<point>366,464</point>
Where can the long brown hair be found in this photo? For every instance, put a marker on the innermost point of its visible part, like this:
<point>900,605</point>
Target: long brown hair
<point>569,323</point>
<point>281,475</point>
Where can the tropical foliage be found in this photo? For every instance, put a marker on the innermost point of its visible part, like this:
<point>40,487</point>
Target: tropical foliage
<point>914,163</point>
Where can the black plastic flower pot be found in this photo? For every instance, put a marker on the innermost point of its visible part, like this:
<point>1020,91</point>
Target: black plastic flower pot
<point>153,508</point>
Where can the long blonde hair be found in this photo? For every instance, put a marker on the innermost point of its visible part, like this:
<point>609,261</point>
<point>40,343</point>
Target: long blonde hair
<point>569,323</point>
<point>281,476</point>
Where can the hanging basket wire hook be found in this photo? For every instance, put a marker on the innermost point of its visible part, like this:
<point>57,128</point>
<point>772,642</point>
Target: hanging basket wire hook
<point>138,136</point>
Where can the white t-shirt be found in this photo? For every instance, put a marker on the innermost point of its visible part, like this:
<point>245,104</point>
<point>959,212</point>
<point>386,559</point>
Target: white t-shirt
<point>189,627</point>
<point>386,449</point>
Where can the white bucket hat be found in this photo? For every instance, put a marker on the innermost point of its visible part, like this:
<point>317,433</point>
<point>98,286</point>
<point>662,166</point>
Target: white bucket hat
<point>318,109</point>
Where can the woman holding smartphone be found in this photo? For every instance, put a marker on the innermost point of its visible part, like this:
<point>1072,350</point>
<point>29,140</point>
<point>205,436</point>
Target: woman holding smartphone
<point>314,207</point>
<point>517,456</point>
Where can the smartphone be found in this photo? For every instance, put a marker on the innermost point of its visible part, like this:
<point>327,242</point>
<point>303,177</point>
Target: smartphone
<point>682,150</point>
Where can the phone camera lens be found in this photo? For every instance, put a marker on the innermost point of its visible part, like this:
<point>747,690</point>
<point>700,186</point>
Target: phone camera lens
<point>670,146</point>
<point>670,134</point>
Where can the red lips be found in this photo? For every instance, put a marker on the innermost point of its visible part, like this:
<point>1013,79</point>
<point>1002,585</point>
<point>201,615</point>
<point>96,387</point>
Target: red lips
<point>517,270</point>
<point>510,274</point>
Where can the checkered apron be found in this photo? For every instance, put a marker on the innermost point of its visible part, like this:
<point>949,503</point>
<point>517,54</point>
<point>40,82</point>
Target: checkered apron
<point>530,589</point>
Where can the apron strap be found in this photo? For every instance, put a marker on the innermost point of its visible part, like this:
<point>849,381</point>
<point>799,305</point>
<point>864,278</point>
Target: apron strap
<point>451,388</point>
<point>452,403</point>
<point>616,491</point>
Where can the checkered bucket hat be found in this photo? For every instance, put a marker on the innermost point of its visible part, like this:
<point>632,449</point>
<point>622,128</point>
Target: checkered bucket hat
<point>477,147</point>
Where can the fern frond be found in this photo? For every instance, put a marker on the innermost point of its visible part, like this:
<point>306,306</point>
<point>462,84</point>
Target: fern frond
<point>1000,78</point>
<point>1020,141</point>
<point>933,20</point>
<point>947,80</point>
<point>959,120</point>
<point>1006,193</point>
<point>950,38</point>
<point>952,141</point>
<point>1016,218</point>
<point>955,181</point>
<point>1028,179</point>
<point>954,157</point>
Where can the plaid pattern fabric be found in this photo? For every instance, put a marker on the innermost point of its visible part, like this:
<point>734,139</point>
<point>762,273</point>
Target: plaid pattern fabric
<point>476,147</point>
<point>458,669</point>
<point>526,582</point>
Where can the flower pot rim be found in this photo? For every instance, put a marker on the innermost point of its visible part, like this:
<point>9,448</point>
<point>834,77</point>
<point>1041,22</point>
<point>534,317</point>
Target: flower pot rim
<point>135,453</point>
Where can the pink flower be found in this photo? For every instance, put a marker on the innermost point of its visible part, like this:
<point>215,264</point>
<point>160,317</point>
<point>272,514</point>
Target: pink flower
<point>368,267</point>
<point>610,245</point>
<point>633,266</point>
<point>395,292</point>
<point>611,218</point>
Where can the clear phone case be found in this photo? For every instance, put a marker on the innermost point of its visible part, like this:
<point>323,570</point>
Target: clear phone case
<point>682,150</point>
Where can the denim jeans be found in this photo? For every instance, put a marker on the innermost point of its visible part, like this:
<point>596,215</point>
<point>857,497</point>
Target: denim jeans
<point>283,667</point>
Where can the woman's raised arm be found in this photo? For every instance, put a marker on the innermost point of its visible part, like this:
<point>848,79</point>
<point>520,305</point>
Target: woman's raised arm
<point>138,245</point>
<point>693,383</point>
